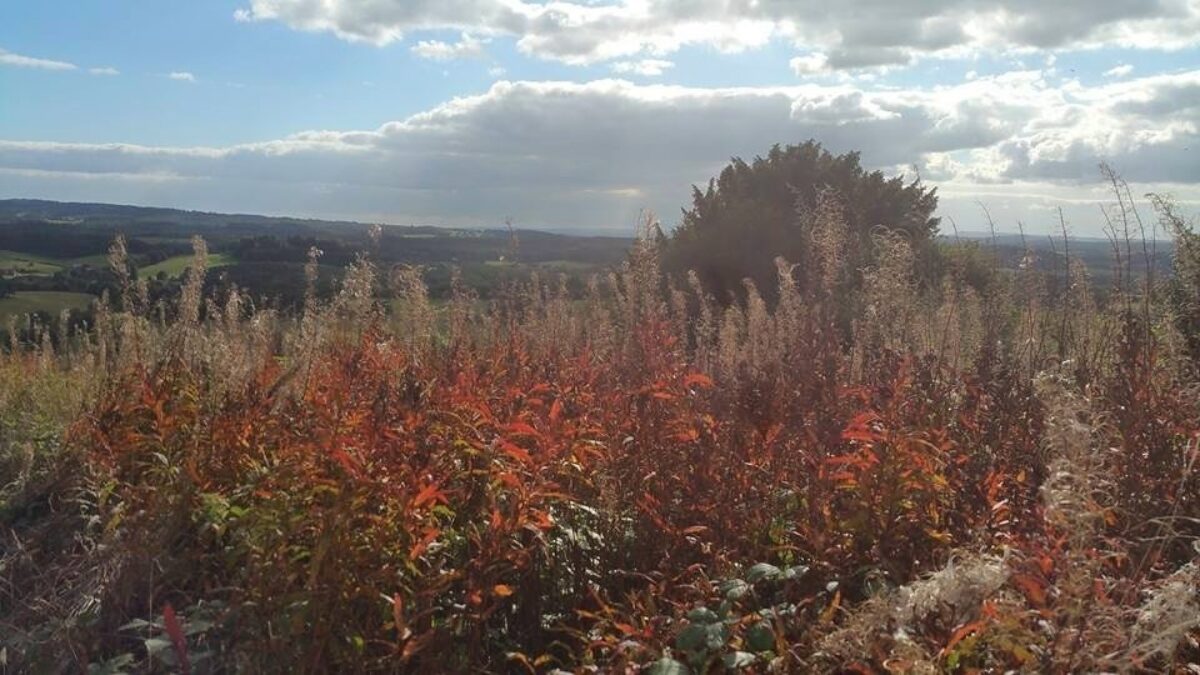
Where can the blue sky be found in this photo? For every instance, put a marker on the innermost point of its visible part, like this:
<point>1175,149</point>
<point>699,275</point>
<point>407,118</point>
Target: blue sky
<point>578,116</point>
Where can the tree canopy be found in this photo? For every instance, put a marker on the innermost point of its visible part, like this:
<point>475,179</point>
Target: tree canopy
<point>751,214</point>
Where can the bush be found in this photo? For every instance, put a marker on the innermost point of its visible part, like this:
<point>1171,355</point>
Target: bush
<point>637,479</point>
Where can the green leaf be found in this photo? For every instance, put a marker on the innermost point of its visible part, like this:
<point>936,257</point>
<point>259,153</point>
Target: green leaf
<point>760,637</point>
<point>156,645</point>
<point>703,615</point>
<point>738,660</point>
<point>795,572</point>
<point>692,638</point>
<point>763,571</point>
<point>667,666</point>
<point>137,624</point>
<point>718,635</point>
<point>114,666</point>
<point>734,589</point>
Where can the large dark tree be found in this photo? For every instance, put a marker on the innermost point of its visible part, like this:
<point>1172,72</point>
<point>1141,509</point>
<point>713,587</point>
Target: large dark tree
<point>749,215</point>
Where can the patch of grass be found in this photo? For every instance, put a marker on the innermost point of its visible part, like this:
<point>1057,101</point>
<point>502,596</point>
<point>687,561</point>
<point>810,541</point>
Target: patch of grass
<point>99,260</point>
<point>174,267</point>
<point>51,302</point>
<point>27,264</point>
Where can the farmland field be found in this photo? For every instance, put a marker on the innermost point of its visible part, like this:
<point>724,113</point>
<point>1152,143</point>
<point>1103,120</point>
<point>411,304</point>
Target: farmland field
<point>174,267</point>
<point>25,263</point>
<point>51,302</point>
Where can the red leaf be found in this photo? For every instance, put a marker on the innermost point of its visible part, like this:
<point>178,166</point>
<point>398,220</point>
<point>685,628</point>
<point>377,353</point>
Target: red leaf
<point>698,380</point>
<point>431,493</point>
<point>420,546</point>
<point>521,428</point>
<point>398,617</point>
<point>556,410</point>
<point>516,452</point>
<point>1032,588</point>
<point>962,633</point>
<point>175,632</point>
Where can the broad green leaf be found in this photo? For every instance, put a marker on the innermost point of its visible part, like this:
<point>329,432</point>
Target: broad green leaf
<point>762,571</point>
<point>760,637</point>
<point>692,638</point>
<point>738,660</point>
<point>667,666</point>
<point>734,589</point>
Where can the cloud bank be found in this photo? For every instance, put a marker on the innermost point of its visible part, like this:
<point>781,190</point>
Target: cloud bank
<point>844,35</point>
<point>590,156</point>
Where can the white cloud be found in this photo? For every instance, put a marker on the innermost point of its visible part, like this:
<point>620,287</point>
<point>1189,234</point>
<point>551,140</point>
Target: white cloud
<point>644,67</point>
<point>182,76</point>
<point>852,33</point>
<point>108,71</point>
<point>594,154</point>
<point>1122,70</point>
<point>8,58</point>
<point>811,64</point>
<point>468,46</point>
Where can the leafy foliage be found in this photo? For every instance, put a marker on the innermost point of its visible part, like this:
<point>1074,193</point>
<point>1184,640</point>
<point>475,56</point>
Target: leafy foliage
<point>755,211</point>
<point>637,480</point>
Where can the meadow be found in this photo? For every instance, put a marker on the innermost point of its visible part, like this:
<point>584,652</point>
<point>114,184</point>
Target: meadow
<point>892,476</point>
<point>23,303</point>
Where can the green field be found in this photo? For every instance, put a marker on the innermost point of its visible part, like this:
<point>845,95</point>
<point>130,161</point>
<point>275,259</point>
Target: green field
<point>52,302</point>
<point>27,264</point>
<point>30,264</point>
<point>174,267</point>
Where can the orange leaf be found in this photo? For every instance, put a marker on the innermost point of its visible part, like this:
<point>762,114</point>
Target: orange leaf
<point>516,452</point>
<point>502,590</point>
<point>431,493</point>
<point>398,617</point>
<point>1032,588</point>
<point>521,428</point>
<point>962,633</point>
<point>698,380</point>
<point>420,546</point>
<point>688,436</point>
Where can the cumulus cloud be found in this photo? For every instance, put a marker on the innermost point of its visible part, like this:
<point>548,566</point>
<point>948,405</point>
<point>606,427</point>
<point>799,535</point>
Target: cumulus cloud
<point>811,64</point>
<point>644,67</point>
<point>560,154</point>
<point>182,76</point>
<point>851,34</point>
<point>1122,70</point>
<point>8,58</point>
<point>467,47</point>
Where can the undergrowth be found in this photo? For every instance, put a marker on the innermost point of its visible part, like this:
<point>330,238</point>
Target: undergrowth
<point>894,478</point>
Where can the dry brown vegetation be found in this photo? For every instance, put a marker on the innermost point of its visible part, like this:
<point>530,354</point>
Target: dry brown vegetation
<point>947,481</point>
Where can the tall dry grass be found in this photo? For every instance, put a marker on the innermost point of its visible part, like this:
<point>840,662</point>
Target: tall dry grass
<point>875,476</point>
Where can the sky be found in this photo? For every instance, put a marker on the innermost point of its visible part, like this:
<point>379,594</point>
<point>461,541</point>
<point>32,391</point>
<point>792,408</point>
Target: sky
<point>580,115</point>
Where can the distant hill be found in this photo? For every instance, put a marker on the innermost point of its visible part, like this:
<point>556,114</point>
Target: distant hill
<point>1097,253</point>
<point>151,220</point>
<point>60,247</point>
